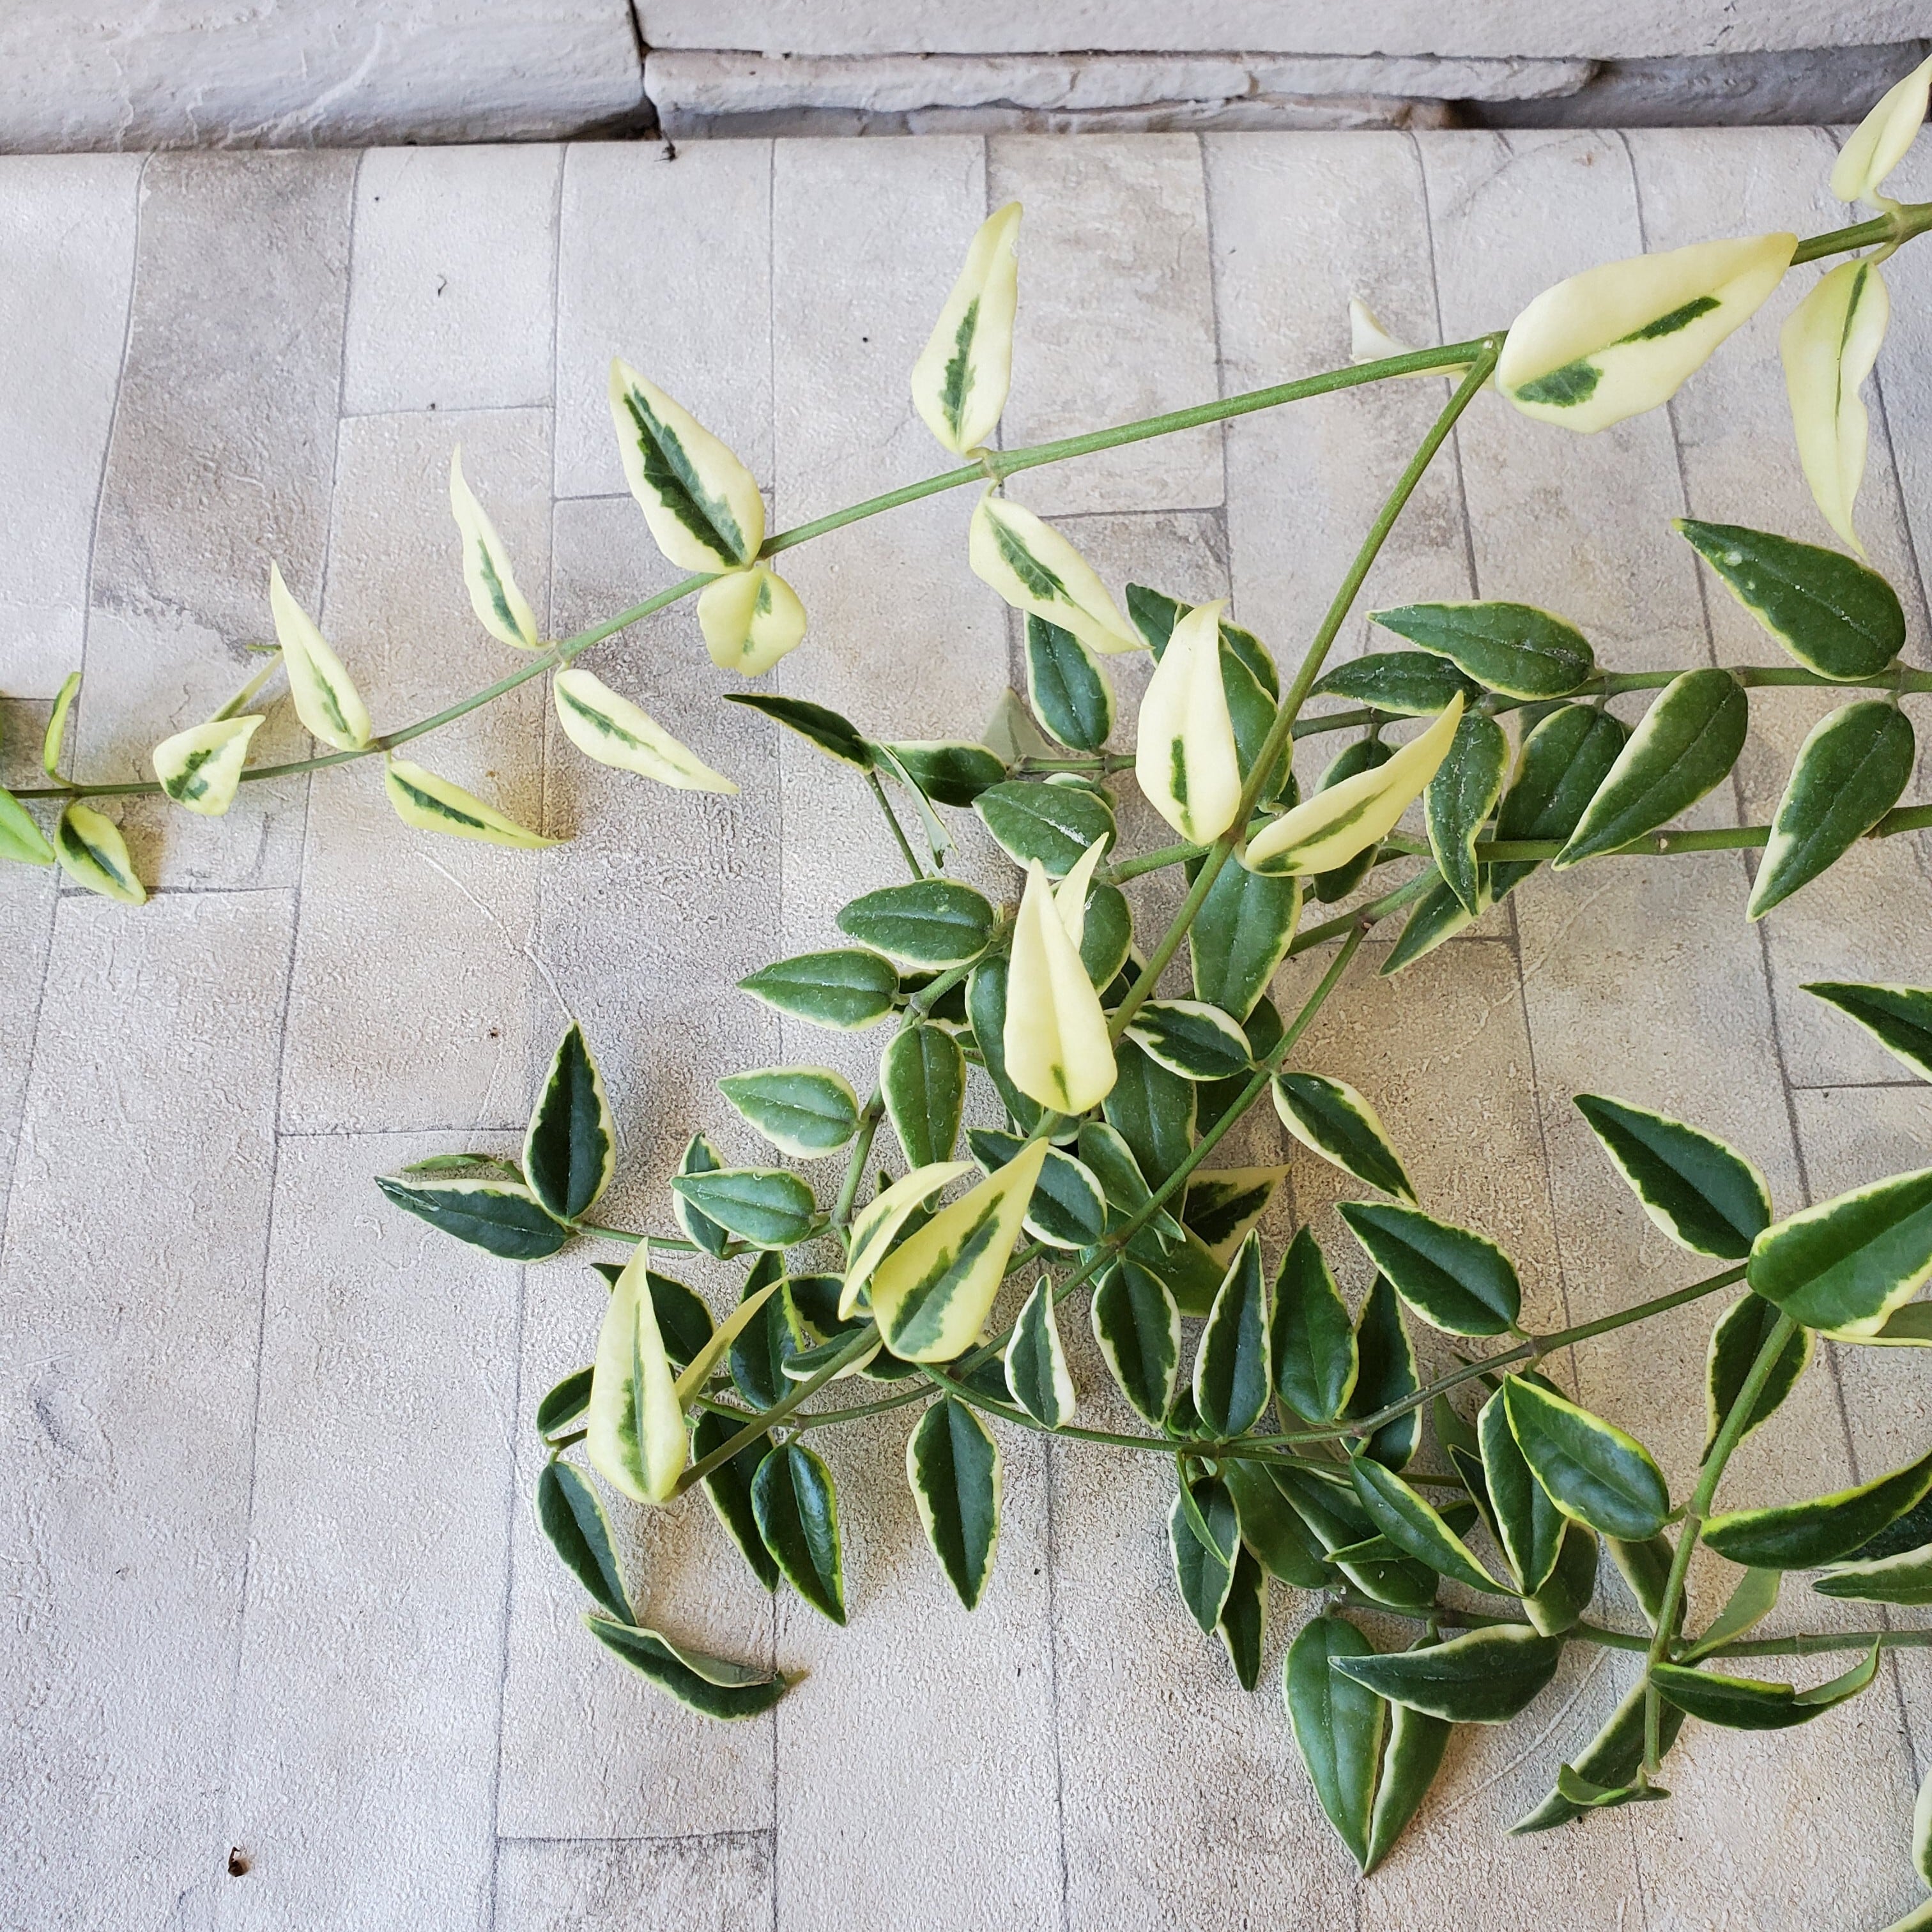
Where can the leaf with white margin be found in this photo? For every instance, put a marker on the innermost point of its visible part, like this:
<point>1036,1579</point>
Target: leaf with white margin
<point>701,503</point>
<point>92,853</point>
<point>1036,569</point>
<point>501,608</point>
<point>1184,755</point>
<point>750,620</point>
<point>614,731</point>
<point>1037,1376</point>
<point>1329,829</point>
<point>200,768</point>
<point>877,1223</point>
<point>1624,337</point>
<point>1055,1040</point>
<point>325,700</point>
<point>634,1425</point>
<point>432,804</point>
<point>1845,1264</point>
<point>1829,344</point>
<point>1878,143</point>
<point>959,383</point>
<point>805,1112</point>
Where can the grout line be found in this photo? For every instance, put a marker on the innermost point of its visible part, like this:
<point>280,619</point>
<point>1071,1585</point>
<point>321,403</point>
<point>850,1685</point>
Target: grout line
<point>1052,1473</point>
<point>509,1588</point>
<point>724,1837</point>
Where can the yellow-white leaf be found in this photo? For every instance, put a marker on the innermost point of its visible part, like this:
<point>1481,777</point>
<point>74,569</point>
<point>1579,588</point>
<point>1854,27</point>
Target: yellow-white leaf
<point>1057,1048</point>
<point>1035,568</point>
<point>325,700</point>
<point>873,1230</point>
<point>1829,342</point>
<point>931,1296</point>
<point>199,768</point>
<point>1330,828</point>
<point>500,606</point>
<point>702,504</point>
<point>432,804</point>
<point>1623,336</point>
<point>92,853</point>
<point>1184,753</point>
<point>1878,143</point>
<point>750,619</point>
<point>697,1370</point>
<point>634,1425</point>
<point>1368,341</point>
<point>55,736</point>
<point>614,731</point>
<point>1069,896</point>
<point>959,383</point>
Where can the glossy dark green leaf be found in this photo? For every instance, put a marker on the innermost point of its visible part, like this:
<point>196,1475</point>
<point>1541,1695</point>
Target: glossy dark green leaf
<point>1413,1526</point>
<point>797,1514</point>
<point>1222,1205</point>
<point>1155,615</point>
<point>1458,1280</point>
<point>1512,648</point>
<point>1686,743</point>
<point>1644,1566</point>
<point>826,729</point>
<point>1458,801</point>
<point>1851,771</point>
<point>1138,1329</point>
<point>1802,1536</point>
<point>699,1156</point>
<point>1828,610</point>
<point>1529,1526</point>
<point>1192,1038</point>
<point>767,1207</point>
<point>570,1515</point>
<point>1251,712</point>
<point>684,1320</point>
<point>1705,1195</point>
<point>1410,684</point>
<point>1365,755</point>
<point>1331,1118</point>
<point>729,1488</point>
<point>1339,1725</point>
<point>1037,1378</point>
<point>922,1080</point>
<point>1904,1576</point>
<point>1241,935</point>
<point>745,1694</point>
<point>1591,1469</point>
<point>1107,933</point>
<point>1244,1623</point>
<point>1740,1334</point>
<point>1055,823</point>
<point>1899,1018</point>
<point>1385,1374</point>
<point>1110,1161</point>
<point>1204,1570</point>
<point>1327,1505</point>
<point>1563,763</point>
<point>1190,1273</point>
<point>570,1147</point>
<point>953,1464</point>
<point>770,1338</point>
<point>1846,1264</point>
<point>1068,688</point>
<point>1560,1604</point>
<point>986,1007</point>
<point>1272,1529</point>
<point>1613,1758</point>
<point>932,923</point>
<point>805,1112</point>
<point>1152,1110</point>
<point>564,1403</point>
<point>1411,1759</point>
<point>1486,1677</point>
<point>502,1217</point>
<point>1750,1703</point>
<point>1068,1209</point>
<point>1231,1368</point>
<point>949,771</point>
<point>1437,916</point>
<point>847,988</point>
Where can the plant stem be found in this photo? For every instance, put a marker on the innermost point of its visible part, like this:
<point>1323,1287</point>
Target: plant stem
<point>1365,916</point>
<point>1896,225</point>
<point>855,1167</point>
<point>674,1244</point>
<point>898,831</point>
<point>1722,838</point>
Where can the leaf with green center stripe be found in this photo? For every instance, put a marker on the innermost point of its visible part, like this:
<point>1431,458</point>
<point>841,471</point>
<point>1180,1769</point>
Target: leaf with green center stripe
<point>1243,1623</point>
<point>952,1464</point>
<point>1740,1334</point>
<point>1240,936</point>
<point>1138,1329</point>
<point>1844,1265</point>
<point>837,736</point>
<point>684,1320</point>
<point>1515,649</point>
<point>699,1156</point>
<point>1560,1604</point>
<point>877,1225</point>
<point>729,1488</point>
<point>1410,1761</point>
<point>923,1078</point>
<point>815,1299</point>
<point>1385,1373</point>
<point>1611,1759</point>
<point>1439,915</point>
<point>426,802</point>
<point>770,1337</point>
<point>1851,770</point>
<point>1590,1469</point>
<point>1802,1536</point>
<point>1106,933</point>
<point>702,504</point>
<point>1686,744</point>
<point>1053,823</point>
<point>1191,1274</point>
<point>325,700</point>
<point>570,1146</point>
<point>502,1217</point>
<point>1339,1724</point>
<point>1221,1206</point>
<point>1204,1571</point>
<point>1110,1161</point>
<point>805,1112</point>
<point>959,383</point>
<point>1153,1110</point>
<point>847,988</point>
<point>1529,1526</point>
<point>1705,1196</point>
<point>1899,1018</point>
<point>1458,1280</point>
<point>1458,800</point>
<point>1834,615</point>
<point>1231,1367</point>
<point>1068,688</point>
<point>570,1514</point>
<point>949,771</point>
<point>1327,1504</point>
<point>501,608</point>
<point>92,853</point>
<point>1365,755</point>
<point>797,1513</point>
<point>933,924</point>
<point>1187,761</point>
<point>1329,1117</point>
<point>634,1434</point>
<point>1563,763</point>
<point>200,768</point>
<point>986,1008</point>
<point>1413,1526</point>
<point>1270,1528</point>
<point>1487,1677</point>
<point>765,1206</point>
<point>674,1669</point>
<point>1192,1038</point>
<point>607,727</point>
<point>1068,1209</point>
<point>1408,684</point>
<point>1035,569</point>
<point>1312,1341</point>
<point>1751,1704</point>
<point>1037,1377</point>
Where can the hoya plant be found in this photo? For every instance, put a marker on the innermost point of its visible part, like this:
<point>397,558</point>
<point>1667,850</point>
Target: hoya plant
<point>929,1267</point>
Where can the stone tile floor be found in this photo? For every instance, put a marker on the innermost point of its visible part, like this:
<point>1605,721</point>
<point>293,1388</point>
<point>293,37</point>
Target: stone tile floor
<point>271,1576</point>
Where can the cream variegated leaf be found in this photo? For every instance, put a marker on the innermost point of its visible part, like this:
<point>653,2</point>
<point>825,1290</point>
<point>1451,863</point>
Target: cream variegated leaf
<point>1036,569</point>
<point>701,503</point>
<point>55,736</point>
<point>92,853</point>
<point>750,619</point>
<point>1829,342</point>
<point>614,731</point>
<point>1878,143</point>
<point>634,1438</point>
<point>717,1345</point>
<point>200,768</point>
<point>325,700</point>
<point>432,804</point>
<point>1622,337</point>
<point>501,608</point>
<point>1184,754</point>
<point>959,383</point>
<point>1330,828</point>
<point>1369,341</point>
<point>1069,896</point>
<point>1055,1038</point>
<point>874,1228</point>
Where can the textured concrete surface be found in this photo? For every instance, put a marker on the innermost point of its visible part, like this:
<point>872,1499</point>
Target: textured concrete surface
<point>273,1582</point>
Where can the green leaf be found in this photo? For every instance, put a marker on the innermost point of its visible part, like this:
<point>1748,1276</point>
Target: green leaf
<point>1192,1038</point>
<point>1110,1161</point>
<point>699,1156</point>
<point>1365,755</point>
<point>1743,1330</point>
<point>1410,1761</point>
<point>1331,1118</point>
<point>1751,1600</point>
<point>1037,1377</point>
<point>1240,936</point>
<point>1154,616</point>
<point>1562,764</point>
<point>1327,1505</point>
<point>1899,1018</point>
<point>1486,1677</point>
<point>1271,1529</point>
<point>1138,1329</point>
<point>1244,1624</point>
<point>1410,684</point>
<point>934,923</point>
<point>570,1514</point>
<point>1251,710</point>
<point>805,1112</point>
<point>1068,690</point>
<point>1413,1526</point>
<point>570,1147</point>
<point>1529,1526</point>
<point>1802,1536</point>
<point>1705,1196</point>
<point>797,1513</point>
<point>1107,933</point>
<point>563,1404</point>
<point>672,1669</point>
<point>826,729</point>
<point>1152,1110</point>
<point>1903,1577</point>
<point>771,1335</point>
<point>1203,1571</point>
<point>922,1077</point>
<point>1512,648</point>
<point>92,853</point>
<point>1749,1703</point>
<point>986,1007</point>
<point>1458,801</point>
<point>953,1464</point>
<point>1068,1209</point>
<point>1231,1367</point>
<point>1458,1280</point>
<point>1385,1373</point>
<point>1190,1273</point>
<point>729,1487</point>
<point>1686,743</point>
<point>502,1217</point>
<point>847,988</point>
<point>684,1321</point>
<point>1339,1725</point>
<point>1851,771</point>
<point>1828,611</point>
<point>1055,823</point>
<point>21,840</point>
<point>1438,915</point>
<point>937,838</point>
<point>1644,1566</point>
<point>1560,1604</point>
<point>1591,1469</point>
<point>767,1207</point>
<point>1221,1205</point>
<point>949,771</point>
<point>1611,1759</point>
<point>1844,1265</point>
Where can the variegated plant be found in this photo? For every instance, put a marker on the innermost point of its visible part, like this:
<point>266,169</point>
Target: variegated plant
<point>1294,1427</point>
